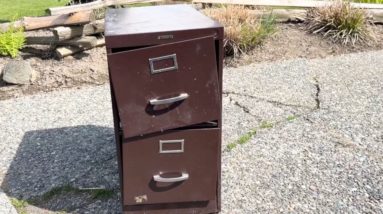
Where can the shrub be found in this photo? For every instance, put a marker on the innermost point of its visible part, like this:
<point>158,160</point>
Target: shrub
<point>243,29</point>
<point>11,41</point>
<point>340,22</point>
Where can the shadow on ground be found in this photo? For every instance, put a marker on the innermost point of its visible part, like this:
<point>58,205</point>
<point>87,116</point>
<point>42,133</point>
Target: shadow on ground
<point>52,164</point>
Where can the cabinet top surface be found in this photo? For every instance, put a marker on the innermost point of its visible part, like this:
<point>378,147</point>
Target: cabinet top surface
<point>153,19</point>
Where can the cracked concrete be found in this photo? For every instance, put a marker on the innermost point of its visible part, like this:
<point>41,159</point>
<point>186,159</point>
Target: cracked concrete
<point>327,160</point>
<point>317,100</point>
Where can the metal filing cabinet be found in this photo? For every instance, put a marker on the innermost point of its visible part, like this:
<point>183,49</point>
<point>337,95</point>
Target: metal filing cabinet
<point>165,67</point>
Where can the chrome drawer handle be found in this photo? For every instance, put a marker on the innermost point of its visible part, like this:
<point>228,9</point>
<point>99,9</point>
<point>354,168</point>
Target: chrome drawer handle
<point>180,97</point>
<point>183,177</point>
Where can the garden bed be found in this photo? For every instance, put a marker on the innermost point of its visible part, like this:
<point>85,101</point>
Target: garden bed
<point>272,42</point>
<point>90,67</point>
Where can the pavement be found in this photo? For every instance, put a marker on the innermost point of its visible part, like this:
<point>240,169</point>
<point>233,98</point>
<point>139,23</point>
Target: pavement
<point>317,148</point>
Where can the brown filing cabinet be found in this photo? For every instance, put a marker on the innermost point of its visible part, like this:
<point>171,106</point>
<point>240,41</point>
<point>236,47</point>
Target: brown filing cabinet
<point>165,67</point>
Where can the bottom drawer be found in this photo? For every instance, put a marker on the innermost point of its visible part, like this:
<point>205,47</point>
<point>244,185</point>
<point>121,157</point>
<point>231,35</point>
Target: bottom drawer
<point>176,166</point>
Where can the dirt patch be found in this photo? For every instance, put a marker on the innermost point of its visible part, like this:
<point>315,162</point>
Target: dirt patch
<point>87,68</point>
<point>90,67</point>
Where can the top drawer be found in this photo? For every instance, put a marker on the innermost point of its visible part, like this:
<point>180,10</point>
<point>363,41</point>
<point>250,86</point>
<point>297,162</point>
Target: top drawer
<point>166,86</point>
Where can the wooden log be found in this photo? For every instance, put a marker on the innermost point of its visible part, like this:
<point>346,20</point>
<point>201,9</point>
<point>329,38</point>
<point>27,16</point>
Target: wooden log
<point>81,42</point>
<point>287,3</point>
<point>376,16</point>
<point>62,52</point>
<point>41,40</point>
<point>283,15</point>
<point>64,33</point>
<point>33,23</point>
<point>94,5</point>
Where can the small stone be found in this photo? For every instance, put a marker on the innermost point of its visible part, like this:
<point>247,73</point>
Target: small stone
<point>69,58</point>
<point>18,72</point>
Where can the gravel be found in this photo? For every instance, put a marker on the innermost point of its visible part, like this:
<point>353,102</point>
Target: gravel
<point>327,158</point>
<point>5,204</point>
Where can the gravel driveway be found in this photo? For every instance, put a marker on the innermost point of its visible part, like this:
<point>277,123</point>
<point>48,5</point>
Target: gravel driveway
<point>318,146</point>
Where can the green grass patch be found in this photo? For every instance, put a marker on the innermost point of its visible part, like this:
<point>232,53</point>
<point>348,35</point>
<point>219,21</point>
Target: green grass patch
<point>102,193</point>
<point>246,137</point>
<point>369,1</point>
<point>266,125</point>
<point>231,146</point>
<point>241,140</point>
<point>15,9</point>
<point>95,193</point>
<point>291,118</point>
<point>19,205</point>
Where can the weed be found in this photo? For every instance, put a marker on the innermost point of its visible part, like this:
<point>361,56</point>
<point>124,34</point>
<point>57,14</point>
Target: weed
<point>340,22</point>
<point>19,205</point>
<point>231,146</point>
<point>57,191</point>
<point>243,29</point>
<point>246,137</point>
<point>102,193</point>
<point>266,125</point>
<point>370,1</point>
<point>291,118</point>
<point>11,41</point>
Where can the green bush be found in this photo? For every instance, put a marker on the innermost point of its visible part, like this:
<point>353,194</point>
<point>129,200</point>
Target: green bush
<point>243,29</point>
<point>340,22</point>
<point>11,41</point>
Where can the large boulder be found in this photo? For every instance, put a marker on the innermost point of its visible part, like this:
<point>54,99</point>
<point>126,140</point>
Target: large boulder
<point>18,72</point>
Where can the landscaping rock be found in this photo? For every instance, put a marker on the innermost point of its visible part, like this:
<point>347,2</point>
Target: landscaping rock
<point>18,72</point>
<point>5,204</point>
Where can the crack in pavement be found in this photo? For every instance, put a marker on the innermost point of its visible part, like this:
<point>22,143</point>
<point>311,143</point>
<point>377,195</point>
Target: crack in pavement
<point>274,102</point>
<point>244,108</point>
<point>317,100</point>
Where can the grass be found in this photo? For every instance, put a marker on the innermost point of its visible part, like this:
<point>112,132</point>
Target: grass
<point>14,9</point>
<point>19,205</point>
<point>102,193</point>
<point>231,146</point>
<point>246,137</point>
<point>291,118</point>
<point>95,193</point>
<point>242,140</point>
<point>340,22</point>
<point>266,125</point>
<point>370,1</point>
<point>243,29</point>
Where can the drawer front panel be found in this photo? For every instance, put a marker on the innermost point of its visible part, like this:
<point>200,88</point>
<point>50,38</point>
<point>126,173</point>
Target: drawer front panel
<point>178,166</point>
<point>166,86</point>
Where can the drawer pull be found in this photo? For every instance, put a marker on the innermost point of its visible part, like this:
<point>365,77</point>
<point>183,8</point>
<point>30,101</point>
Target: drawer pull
<point>183,177</point>
<point>171,100</point>
<point>153,60</point>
